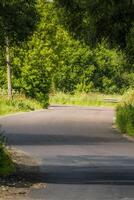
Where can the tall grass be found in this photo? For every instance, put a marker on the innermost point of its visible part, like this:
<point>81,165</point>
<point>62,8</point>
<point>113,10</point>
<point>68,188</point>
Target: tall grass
<point>17,104</point>
<point>83,99</point>
<point>125,114</point>
<point>6,164</point>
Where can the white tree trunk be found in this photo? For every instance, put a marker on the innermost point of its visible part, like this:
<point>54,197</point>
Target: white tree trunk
<point>8,68</point>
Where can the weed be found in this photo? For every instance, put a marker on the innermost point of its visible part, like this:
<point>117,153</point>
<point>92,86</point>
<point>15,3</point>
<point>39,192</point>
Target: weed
<point>6,164</point>
<point>17,104</point>
<point>125,114</point>
<point>83,99</point>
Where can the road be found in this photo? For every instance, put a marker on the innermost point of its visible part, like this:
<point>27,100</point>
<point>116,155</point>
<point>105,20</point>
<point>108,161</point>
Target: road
<point>82,156</point>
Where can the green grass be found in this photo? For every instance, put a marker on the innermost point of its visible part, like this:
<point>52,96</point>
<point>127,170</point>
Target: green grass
<point>6,165</point>
<point>91,99</point>
<point>125,114</point>
<point>19,103</point>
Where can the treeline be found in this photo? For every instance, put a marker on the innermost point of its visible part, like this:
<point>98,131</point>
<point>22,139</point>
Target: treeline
<point>73,46</point>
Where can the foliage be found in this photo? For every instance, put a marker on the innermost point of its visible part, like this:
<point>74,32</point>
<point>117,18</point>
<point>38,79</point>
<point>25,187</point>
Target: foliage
<point>130,48</point>
<point>2,69</point>
<point>75,66</point>
<point>83,99</point>
<point>125,114</point>
<point>13,16</point>
<point>18,104</point>
<point>33,61</point>
<point>72,48</point>
<point>83,69</point>
<point>93,20</point>
<point>33,75</point>
<point>109,69</point>
<point>6,164</point>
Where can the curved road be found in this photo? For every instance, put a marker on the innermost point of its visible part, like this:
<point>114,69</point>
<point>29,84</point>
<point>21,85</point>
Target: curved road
<point>82,156</point>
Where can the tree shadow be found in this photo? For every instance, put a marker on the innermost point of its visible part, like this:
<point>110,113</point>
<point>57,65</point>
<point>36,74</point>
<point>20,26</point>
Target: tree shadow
<point>48,139</point>
<point>113,173</point>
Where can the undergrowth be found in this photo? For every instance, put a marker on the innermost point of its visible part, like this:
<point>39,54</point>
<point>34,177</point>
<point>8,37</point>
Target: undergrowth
<point>83,99</point>
<point>6,164</point>
<point>125,114</point>
<point>19,103</point>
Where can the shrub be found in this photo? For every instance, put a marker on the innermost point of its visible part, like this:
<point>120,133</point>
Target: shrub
<point>110,67</point>
<point>125,114</point>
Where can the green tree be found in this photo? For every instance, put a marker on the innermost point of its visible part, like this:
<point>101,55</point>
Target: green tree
<point>57,58</point>
<point>35,60</point>
<point>92,20</point>
<point>17,20</point>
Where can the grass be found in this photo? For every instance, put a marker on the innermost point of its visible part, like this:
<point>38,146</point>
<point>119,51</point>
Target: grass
<point>19,103</point>
<point>6,164</point>
<point>125,114</point>
<point>91,99</point>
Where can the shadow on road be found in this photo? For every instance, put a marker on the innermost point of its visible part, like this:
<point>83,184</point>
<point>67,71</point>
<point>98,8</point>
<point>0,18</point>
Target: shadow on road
<point>75,175</point>
<point>44,139</point>
<point>103,170</point>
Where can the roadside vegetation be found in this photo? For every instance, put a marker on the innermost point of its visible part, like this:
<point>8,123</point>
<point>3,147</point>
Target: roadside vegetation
<point>19,103</point>
<point>6,165</point>
<point>125,114</point>
<point>85,99</point>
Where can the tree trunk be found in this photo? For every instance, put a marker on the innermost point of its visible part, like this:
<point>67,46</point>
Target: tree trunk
<point>131,2</point>
<point>8,68</point>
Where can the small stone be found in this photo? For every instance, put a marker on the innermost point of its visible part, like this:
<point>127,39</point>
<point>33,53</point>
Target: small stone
<point>22,192</point>
<point>3,188</point>
<point>39,186</point>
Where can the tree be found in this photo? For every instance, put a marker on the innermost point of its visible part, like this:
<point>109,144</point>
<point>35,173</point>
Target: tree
<point>34,60</point>
<point>17,21</point>
<point>53,55</point>
<point>92,20</point>
<point>57,58</point>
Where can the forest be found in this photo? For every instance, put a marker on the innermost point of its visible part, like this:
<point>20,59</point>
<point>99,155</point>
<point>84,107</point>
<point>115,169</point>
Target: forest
<point>67,45</point>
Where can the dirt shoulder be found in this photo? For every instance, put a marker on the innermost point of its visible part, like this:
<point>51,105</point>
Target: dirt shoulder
<point>19,185</point>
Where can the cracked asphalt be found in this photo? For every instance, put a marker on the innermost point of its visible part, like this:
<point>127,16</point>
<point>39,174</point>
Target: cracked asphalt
<point>81,155</point>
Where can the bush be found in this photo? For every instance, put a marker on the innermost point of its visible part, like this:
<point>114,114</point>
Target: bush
<point>110,67</point>
<point>125,114</point>
<point>82,69</point>
<point>53,55</point>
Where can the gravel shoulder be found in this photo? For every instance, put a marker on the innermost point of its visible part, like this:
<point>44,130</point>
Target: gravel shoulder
<point>17,186</point>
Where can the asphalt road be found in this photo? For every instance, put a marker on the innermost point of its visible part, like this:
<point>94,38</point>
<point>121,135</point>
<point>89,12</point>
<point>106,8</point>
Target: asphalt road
<point>82,157</point>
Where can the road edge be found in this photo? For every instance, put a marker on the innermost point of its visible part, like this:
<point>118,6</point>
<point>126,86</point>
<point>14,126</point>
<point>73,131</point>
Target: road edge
<point>21,113</point>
